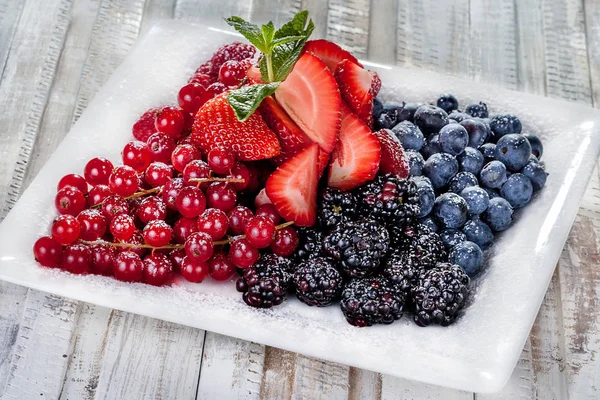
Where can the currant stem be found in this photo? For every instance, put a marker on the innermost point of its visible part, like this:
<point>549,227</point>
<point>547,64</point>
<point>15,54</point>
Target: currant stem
<point>136,194</point>
<point>217,179</point>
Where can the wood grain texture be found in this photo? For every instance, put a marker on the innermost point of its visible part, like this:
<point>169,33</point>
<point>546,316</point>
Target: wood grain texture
<point>364,385</point>
<point>592,35</point>
<point>212,12</point>
<point>348,25</point>
<point>278,374</point>
<point>318,10</point>
<point>10,12</point>
<point>383,16</point>
<point>403,389</point>
<point>12,301</point>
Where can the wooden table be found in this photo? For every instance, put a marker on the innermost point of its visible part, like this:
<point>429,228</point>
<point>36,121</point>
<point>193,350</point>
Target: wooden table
<point>55,54</point>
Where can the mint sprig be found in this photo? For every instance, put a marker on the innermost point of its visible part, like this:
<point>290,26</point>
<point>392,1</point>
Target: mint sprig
<point>280,50</point>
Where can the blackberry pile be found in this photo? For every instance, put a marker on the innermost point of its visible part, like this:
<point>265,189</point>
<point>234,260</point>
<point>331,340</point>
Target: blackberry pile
<point>420,243</point>
<point>372,300</point>
<point>318,282</point>
<point>336,207</point>
<point>265,284</point>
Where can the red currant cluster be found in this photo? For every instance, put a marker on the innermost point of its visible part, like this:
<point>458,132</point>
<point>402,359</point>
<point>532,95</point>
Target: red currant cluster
<point>169,208</point>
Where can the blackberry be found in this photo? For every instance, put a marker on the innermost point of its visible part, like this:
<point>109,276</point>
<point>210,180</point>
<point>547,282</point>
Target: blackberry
<point>370,301</point>
<point>310,242</point>
<point>336,207</point>
<point>403,268</point>
<point>265,283</point>
<point>440,294</point>
<point>389,200</point>
<point>357,246</point>
<point>317,282</point>
<point>425,246</point>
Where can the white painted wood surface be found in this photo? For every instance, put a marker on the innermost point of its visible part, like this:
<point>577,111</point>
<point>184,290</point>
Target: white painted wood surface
<point>55,54</point>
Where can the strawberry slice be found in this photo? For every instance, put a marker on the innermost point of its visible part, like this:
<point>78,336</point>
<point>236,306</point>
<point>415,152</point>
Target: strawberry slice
<point>254,75</point>
<point>216,125</point>
<point>393,158</point>
<point>312,99</point>
<point>293,187</point>
<point>330,53</point>
<point>358,87</point>
<point>356,157</point>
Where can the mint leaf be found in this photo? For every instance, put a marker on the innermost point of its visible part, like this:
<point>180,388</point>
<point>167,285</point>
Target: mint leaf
<point>285,39</point>
<point>250,31</point>
<point>268,31</point>
<point>245,100</point>
<point>295,27</point>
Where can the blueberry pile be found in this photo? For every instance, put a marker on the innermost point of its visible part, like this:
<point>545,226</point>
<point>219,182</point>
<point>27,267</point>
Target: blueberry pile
<point>472,170</point>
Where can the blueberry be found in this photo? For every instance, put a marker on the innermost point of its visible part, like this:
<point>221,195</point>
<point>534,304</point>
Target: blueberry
<point>461,181</point>
<point>468,256</point>
<point>514,151</point>
<point>447,102</point>
<point>477,199</point>
<point>384,122</point>
<point>377,108</point>
<point>430,119</point>
<point>430,223</point>
<point>503,124</point>
<point>498,214</point>
<point>491,192</point>
<point>477,110</point>
<point>517,190</point>
<point>478,232</point>
<point>409,135</point>
<point>453,139</point>
<point>450,210</point>
<point>493,174</point>
<point>470,160</point>
<point>458,116</point>
<point>426,196</point>
<point>393,109</point>
<point>452,237</point>
<point>534,159</point>
<point>537,149</point>
<point>477,130</point>
<point>440,168</point>
<point>415,162</point>
<point>489,152</point>
<point>432,146</point>
<point>536,174</point>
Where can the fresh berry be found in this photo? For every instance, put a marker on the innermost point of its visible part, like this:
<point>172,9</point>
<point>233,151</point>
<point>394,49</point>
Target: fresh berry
<point>240,171</point>
<point>310,243</point>
<point>478,110</point>
<point>440,294</point>
<point>157,233</point>
<point>160,145</point>
<point>128,267</point>
<point>336,207</point>
<point>268,210</point>
<point>232,51</point>
<point>430,223</point>
<point>170,192</point>
<point>489,152</point>
<point>461,181</point>
<point>214,222</point>
<point>176,256</point>
<point>259,231</point>
<point>216,89</point>
<point>254,75</point>
<point>183,155</point>
<point>135,240</point>
<point>183,228</point>
<point>48,252</point>
<point>144,126</point>
<point>69,200</point>
<point>242,253</point>
<point>114,205</point>
<point>426,196</point>
<point>493,175</point>
<point>196,169</point>
<point>453,139</point>
<point>393,158</point>
<point>432,146</point>
<point>199,247</point>
<point>372,300</point>
<point>75,181</point>
<point>517,190</point>
<point>537,149</point>
<point>402,268</point>
<point>458,116</point>
<point>157,174</point>
<point>513,150</point>
<point>193,271</point>
<point>311,97</point>
<point>123,181</point>
<point>471,160</point>
<point>221,195</point>
<point>468,256</point>
<point>200,78</point>
<point>452,237</point>
<point>232,72</point>
<point>97,194</point>
<point>190,202</point>
<point>450,210</point>
<point>103,258</point>
<point>358,247</point>
<point>65,229</point>
<point>285,241</point>
<point>355,85</point>
<point>447,102</point>
<point>440,168</point>
<point>122,227</point>
<point>217,126</point>
<point>317,282</point>
<point>409,135</point>
<point>504,124</point>
<point>220,160</point>
<point>192,96</point>
<point>136,155</point>
<point>169,120</point>
<point>329,52</point>
<point>536,174</point>
<point>498,214</point>
<point>262,198</point>
<point>477,199</point>
<point>416,162</point>
<point>404,112</point>
<point>421,242</point>
<point>430,119</point>
<point>220,268</point>
<point>92,223</point>
<point>158,269</point>
<point>265,284</point>
<point>238,218</point>
<point>478,132</point>
<point>77,258</point>
<point>478,232</point>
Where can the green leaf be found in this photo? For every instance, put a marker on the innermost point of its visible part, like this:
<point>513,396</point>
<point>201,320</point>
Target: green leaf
<point>268,31</point>
<point>285,39</point>
<point>294,27</point>
<point>250,31</point>
<point>245,100</point>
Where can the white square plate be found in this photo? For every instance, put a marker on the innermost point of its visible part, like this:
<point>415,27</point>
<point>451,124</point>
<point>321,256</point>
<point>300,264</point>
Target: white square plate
<point>477,353</point>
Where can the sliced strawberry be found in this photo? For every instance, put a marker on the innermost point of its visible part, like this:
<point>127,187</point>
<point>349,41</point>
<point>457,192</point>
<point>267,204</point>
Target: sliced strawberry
<point>253,73</point>
<point>293,187</point>
<point>330,53</point>
<point>356,157</point>
<point>291,138</point>
<point>312,99</point>
<point>217,126</point>
<point>358,87</point>
<point>323,162</point>
<point>393,158</point>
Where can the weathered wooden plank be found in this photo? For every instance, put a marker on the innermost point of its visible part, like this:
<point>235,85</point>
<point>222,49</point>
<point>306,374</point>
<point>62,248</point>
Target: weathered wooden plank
<point>12,298</point>
<point>531,65</point>
<point>10,12</point>
<point>278,374</point>
<point>263,11</point>
<point>231,368</point>
<point>348,25</point>
<point>364,385</point>
<point>319,379</point>
<point>382,31</point>
<point>592,30</point>
<point>401,389</point>
<point>212,13</point>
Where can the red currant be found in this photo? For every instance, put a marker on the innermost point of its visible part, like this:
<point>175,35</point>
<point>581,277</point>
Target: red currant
<point>114,205</point>
<point>190,202</point>
<point>262,198</point>
<point>193,270</point>
<point>220,268</point>
<point>220,160</point>
<point>192,96</point>
<point>158,269</point>
<point>69,200</point>
<point>232,72</point>
<point>128,267</point>
<point>285,241</point>
<point>259,231</point>
<point>176,256</point>
<point>238,217</point>
<point>77,258</point>
<point>136,239</point>
<point>183,228</point>
<point>221,195</point>
<point>188,124</point>
<point>48,252</point>
<point>242,253</point>
<point>157,233</point>
<point>183,154</point>
<point>240,171</point>
<point>170,121</point>
<point>202,79</point>
<point>151,208</point>
<point>160,145</point>
<point>93,224</point>
<point>216,89</point>
<point>66,229</point>
<point>122,227</point>
<point>136,155</point>
<point>196,169</point>
<point>97,171</point>
<point>97,195</point>
<point>144,126</point>
<point>214,222</point>
<point>157,174</point>
<point>123,181</point>
<point>103,257</point>
<point>73,180</point>
<point>199,246</point>
<point>186,140</point>
<point>268,210</point>
<point>170,192</point>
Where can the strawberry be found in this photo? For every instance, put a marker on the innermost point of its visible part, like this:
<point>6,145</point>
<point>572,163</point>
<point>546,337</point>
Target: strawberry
<point>393,158</point>
<point>217,126</point>
<point>330,53</point>
<point>358,87</point>
<point>293,187</point>
<point>254,75</point>
<point>311,98</point>
<point>356,157</point>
